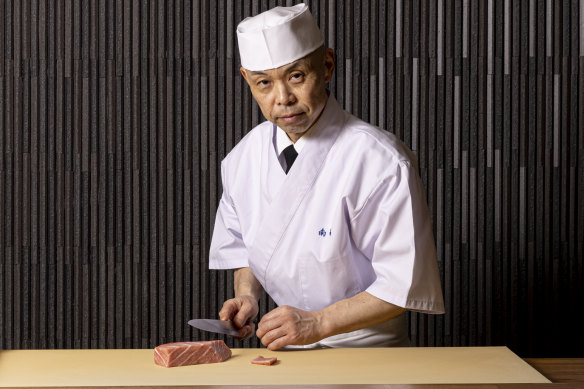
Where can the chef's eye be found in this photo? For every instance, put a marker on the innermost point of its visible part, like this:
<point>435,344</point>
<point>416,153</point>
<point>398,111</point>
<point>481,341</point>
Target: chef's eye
<point>263,83</point>
<point>296,76</point>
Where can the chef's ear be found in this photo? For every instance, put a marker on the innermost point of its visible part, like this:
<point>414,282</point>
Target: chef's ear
<point>244,74</point>
<point>329,64</point>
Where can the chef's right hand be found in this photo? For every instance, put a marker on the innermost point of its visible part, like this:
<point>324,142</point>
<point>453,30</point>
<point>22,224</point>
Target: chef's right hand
<point>241,310</point>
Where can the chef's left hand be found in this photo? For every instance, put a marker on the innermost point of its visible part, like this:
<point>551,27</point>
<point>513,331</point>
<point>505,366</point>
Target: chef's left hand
<point>286,325</point>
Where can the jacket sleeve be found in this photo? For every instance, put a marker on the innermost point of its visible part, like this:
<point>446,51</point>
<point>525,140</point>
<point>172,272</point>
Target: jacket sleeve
<point>227,250</point>
<point>394,231</point>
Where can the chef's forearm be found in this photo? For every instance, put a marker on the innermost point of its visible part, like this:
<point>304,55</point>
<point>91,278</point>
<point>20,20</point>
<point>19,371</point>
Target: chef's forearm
<point>245,283</point>
<point>360,311</point>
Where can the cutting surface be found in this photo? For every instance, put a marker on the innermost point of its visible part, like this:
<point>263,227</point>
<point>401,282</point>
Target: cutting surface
<point>46,368</point>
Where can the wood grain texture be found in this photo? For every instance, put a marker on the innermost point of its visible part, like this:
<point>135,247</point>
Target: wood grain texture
<point>310,368</point>
<point>114,117</point>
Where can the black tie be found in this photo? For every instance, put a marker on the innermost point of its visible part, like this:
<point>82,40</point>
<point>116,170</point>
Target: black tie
<point>290,155</point>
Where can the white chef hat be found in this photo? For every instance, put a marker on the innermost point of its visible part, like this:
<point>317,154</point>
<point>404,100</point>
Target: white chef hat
<point>277,37</point>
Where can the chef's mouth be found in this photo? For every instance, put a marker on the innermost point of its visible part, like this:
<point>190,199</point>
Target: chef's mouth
<point>292,117</point>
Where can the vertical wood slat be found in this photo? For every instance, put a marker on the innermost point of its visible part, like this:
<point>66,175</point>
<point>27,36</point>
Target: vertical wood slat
<point>3,263</point>
<point>114,117</point>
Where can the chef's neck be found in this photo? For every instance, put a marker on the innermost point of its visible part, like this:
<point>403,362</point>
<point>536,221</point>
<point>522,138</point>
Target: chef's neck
<point>294,136</point>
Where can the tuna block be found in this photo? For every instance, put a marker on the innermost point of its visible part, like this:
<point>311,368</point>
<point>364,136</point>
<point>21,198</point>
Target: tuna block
<point>191,353</point>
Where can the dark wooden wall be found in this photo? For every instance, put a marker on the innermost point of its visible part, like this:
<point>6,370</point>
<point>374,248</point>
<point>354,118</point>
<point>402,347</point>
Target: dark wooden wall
<point>115,115</point>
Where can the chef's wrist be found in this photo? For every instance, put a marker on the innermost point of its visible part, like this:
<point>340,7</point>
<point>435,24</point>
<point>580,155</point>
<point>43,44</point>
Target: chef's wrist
<point>249,297</point>
<point>324,324</point>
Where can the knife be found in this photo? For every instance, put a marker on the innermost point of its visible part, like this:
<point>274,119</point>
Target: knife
<point>217,326</point>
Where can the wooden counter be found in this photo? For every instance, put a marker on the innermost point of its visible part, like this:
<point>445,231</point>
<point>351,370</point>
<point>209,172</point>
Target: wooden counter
<point>560,370</point>
<point>336,367</point>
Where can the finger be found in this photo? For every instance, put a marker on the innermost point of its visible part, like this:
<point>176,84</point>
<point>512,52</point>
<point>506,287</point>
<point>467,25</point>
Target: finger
<point>228,310</point>
<point>245,314</point>
<point>260,332</point>
<point>272,336</point>
<point>265,326</point>
<point>245,332</point>
<point>279,343</point>
<point>270,321</point>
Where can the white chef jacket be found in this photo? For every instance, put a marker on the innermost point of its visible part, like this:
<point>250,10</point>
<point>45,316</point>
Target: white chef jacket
<point>350,216</point>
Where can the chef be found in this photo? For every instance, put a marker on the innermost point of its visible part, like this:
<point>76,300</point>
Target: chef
<point>323,211</point>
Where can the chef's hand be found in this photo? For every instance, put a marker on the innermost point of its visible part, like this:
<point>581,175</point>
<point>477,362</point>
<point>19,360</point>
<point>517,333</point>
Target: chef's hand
<point>286,325</point>
<point>241,310</point>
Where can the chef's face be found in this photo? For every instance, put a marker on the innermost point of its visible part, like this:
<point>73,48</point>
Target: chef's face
<point>294,95</point>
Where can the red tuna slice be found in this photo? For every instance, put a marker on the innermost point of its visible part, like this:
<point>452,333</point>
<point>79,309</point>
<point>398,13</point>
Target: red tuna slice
<point>264,361</point>
<point>191,353</point>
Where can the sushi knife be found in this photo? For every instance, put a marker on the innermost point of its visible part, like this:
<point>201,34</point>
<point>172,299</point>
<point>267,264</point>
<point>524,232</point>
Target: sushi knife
<point>217,326</point>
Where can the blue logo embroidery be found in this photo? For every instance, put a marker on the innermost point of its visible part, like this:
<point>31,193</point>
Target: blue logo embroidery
<point>323,232</point>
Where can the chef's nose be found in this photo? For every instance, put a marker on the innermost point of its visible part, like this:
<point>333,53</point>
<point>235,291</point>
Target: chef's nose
<point>284,95</point>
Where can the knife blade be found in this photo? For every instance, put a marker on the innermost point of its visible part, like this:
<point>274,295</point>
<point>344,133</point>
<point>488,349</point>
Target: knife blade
<point>214,325</point>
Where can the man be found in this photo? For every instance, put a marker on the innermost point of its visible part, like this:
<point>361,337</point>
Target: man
<point>321,210</point>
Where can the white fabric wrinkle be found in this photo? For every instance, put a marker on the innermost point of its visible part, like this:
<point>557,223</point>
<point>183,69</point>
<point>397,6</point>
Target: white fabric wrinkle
<point>389,244</point>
